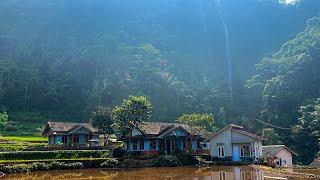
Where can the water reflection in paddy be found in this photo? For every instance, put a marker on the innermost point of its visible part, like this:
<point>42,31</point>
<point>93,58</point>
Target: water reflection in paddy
<point>216,173</point>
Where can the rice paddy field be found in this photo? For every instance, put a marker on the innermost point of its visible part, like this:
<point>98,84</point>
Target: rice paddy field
<point>18,143</point>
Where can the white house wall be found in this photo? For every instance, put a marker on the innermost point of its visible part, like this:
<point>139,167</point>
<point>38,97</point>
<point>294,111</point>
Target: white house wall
<point>229,137</point>
<point>240,138</point>
<point>222,138</point>
<point>286,155</point>
<point>258,148</point>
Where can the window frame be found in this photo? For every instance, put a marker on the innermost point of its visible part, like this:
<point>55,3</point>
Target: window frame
<point>243,148</point>
<point>153,144</point>
<point>134,145</point>
<point>64,139</point>
<point>184,144</point>
<point>221,151</point>
<point>141,145</point>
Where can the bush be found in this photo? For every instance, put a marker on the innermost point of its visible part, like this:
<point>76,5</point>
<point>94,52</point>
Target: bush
<point>34,155</point>
<point>37,166</point>
<point>246,159</point>
<point>167,161</point>
<point>110,163</point>
<point>223,159</point>
<point>64,166</point>
<point>187,159</point>
<point>118,153</point>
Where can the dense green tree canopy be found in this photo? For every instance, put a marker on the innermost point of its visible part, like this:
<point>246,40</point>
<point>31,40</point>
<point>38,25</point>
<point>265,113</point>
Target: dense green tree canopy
<point>288,79</point>
<point>132,111</point>
<point>101,117</point>
<point>3,122</point>
<point>204,121</point>
<point>307,131</point>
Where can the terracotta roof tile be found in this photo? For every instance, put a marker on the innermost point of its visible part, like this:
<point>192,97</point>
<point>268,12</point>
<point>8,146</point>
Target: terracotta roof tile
<point>272,150</point>
<point>159,128</point>
<point>67,126</point>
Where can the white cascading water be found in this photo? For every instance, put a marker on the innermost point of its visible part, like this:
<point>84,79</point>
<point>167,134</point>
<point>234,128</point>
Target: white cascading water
<point>227,46</point>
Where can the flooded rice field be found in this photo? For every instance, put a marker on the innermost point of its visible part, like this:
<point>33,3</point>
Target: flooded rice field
<point>219,173</point>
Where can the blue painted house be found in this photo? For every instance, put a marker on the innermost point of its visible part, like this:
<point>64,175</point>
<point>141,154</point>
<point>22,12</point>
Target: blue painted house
<point>150,138</point>
<point>68,133</point>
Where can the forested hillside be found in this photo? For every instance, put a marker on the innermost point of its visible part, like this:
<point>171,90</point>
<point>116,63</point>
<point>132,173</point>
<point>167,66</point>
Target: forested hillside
<point>60,59</point>
<point>287,80</point>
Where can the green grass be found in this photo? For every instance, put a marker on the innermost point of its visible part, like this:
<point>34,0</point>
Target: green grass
<point>19,143</point>
<point>24,139</point>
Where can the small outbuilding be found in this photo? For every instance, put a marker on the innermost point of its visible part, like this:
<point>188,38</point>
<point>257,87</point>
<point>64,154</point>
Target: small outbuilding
<point>278,155</point>
<point>315,163</point>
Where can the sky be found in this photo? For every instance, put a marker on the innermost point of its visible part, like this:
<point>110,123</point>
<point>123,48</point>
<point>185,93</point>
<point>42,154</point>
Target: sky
<point>289,2</point>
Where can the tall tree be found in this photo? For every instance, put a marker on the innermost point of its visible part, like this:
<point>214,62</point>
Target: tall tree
<point>306,133</point>
<point>132,111</point>
<point>3,122</point>
<point>271,136</point>
<point>101,117</point>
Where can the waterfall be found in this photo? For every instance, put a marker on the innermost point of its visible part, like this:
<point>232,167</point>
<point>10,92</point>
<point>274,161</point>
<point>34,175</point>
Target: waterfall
<point>227,47</point>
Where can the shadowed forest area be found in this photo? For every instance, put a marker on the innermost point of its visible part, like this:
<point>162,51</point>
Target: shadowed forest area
<point>254,63</point>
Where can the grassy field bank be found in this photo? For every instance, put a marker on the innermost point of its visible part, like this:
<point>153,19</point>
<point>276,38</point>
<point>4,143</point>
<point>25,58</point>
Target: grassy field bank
<point>19,143</point>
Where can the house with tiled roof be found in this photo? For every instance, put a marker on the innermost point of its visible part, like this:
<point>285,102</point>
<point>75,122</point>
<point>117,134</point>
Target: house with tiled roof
<point>151,138</point>
<point>233,143</point>
<point>69,133</point>
<point>278,155</point>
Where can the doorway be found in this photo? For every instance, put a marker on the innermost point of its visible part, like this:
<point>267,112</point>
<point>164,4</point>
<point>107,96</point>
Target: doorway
<point>235,152</point>
<point>168,146</point>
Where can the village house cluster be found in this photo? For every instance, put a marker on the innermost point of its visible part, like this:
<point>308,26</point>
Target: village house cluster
<point>230,144</point>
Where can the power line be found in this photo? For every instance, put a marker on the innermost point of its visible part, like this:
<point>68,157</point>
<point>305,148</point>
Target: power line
<point>271,125</point>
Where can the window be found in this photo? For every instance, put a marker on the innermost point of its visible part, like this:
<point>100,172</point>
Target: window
<point>142,145</point>
<point>75,139</point>
<point>135,144</point>
<point>221,151</point>
<point>153,144</point>
<point>64,139</point>
<point>198,144</point>
<point>245,151</point>
<point>183,144</point>
<point>128,145</point>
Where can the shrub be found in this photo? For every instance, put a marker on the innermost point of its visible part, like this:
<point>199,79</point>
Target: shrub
<point>17,168</point>
<point>34,155</point>
<point>246,159</point>
<point>187,159</point>
<point>118,153</point>
<point>37,166</point>
<point>218,159</point>
<point>64,166</point>
<point>110,163</point>
<point>167,161</point>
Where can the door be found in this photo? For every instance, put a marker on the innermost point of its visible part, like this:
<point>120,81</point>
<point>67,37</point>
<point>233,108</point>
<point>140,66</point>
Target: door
<point>168,144</point>
<point>235,153</point>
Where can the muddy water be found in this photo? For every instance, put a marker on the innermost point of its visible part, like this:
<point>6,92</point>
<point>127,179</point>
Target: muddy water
<point>214,173</point>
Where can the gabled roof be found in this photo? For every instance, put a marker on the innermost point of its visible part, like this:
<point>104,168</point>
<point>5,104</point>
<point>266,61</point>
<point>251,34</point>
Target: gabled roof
<point>237,129</point>
<point>246,133</point>
<point>66,127</point>
<point>273,150</point>
<point>159,129</point>
<point>315,163</point>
